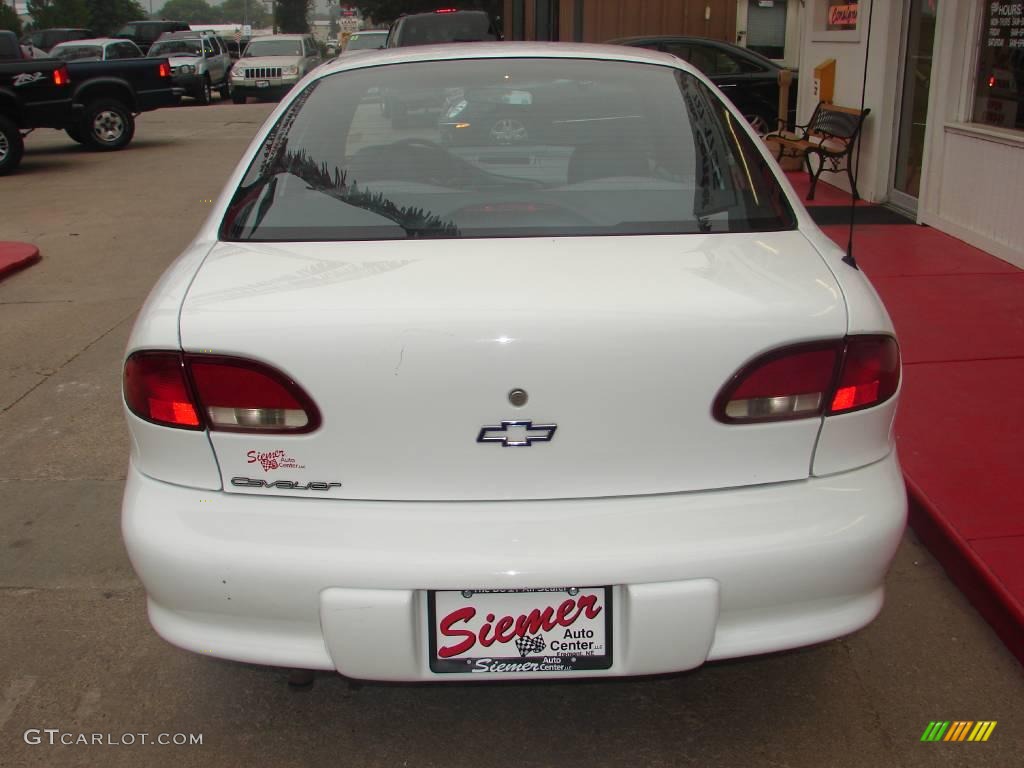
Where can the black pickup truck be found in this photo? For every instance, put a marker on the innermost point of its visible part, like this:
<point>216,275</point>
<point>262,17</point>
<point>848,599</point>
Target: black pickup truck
<point>95,102</point>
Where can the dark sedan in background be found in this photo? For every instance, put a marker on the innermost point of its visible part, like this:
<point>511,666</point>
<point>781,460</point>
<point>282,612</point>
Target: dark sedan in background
<point>747,78</point>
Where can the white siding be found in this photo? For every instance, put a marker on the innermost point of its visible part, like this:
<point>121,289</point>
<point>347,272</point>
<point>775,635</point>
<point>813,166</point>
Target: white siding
<point>982,188</point>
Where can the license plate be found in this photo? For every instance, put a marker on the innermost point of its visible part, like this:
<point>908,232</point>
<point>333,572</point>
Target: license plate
<point>262,83</point>
<point>561,629</point>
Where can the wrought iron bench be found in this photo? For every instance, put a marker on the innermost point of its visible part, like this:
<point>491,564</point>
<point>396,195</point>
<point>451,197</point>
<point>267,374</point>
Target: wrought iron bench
<point>831,135</point>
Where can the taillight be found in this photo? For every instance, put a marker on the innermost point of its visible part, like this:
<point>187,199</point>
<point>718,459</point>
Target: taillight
<point>870,375</point>
<point>164,69</point>
<point>155,389</point>
<point>239,395</point>
<point>225,394</point>
<point>807,380</point>
<point>61,76</point>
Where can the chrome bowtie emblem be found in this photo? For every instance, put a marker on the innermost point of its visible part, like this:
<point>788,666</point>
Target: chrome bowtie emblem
<point>517,434</point>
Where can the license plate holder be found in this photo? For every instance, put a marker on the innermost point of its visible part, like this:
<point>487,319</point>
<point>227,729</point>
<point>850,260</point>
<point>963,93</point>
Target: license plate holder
<point>573,630</point>
<point>262,83</point>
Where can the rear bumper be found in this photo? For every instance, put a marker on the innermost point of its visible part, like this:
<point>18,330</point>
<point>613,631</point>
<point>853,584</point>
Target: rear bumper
<point>189,84</point>
<point>157,98</point>
<point>326,584</point>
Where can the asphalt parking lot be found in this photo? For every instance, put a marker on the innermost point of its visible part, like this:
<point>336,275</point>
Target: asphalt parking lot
<point>77,653</point>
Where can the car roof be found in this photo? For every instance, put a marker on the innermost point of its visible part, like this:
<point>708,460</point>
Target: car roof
<point>450,12</point>
<point>503,50</point>
<point>92,41</point>
<point>185,34</point>
<point>278,37</point>
<point>155,21</point>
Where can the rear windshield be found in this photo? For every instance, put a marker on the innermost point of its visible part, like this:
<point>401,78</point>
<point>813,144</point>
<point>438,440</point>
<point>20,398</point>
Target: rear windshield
<point>145,30</point>
<point>72,52</point>
<point>505,148</point>
<point>363,42</point>
<point>428,28</point>
<point>186,46</point>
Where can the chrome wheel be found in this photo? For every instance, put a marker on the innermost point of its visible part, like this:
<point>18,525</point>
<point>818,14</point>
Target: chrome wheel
<point>508,131</point>
<point>5,148</point>
<point>107,126</point>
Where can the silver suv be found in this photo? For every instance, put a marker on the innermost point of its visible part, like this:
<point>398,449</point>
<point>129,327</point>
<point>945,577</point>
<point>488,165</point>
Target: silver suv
<point>199,63</point>
<point>271,65</point>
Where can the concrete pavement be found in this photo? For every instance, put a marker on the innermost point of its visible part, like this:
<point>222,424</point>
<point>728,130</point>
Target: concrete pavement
<point>77,654</point>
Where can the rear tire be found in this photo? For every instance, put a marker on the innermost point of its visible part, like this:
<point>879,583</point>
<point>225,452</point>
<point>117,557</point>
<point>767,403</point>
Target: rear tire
<point>107,125</point>
<point>205,93</point>
<point>12,146</point>
<point>224,91</point>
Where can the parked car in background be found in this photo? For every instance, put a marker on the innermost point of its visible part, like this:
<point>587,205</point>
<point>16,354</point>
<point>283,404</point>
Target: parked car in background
<point>443,26</point>
<point>145,33</point>
<point>108,95</point>
<point>94,101</point>
<point>45,39</point>
<point>405,104</point>
<point>364,41</point>
<point>660,404</point>
<point>33,94</point>
<point>96,49</point>
<point>271,65</point>
<point>199,63</point>
<point>234,47</point>
<point>749,79</point>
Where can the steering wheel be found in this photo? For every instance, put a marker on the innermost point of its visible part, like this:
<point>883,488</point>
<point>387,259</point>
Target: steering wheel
<point>436,163</point>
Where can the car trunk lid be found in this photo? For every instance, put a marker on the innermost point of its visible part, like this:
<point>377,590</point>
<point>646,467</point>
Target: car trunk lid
<point>410,350</point>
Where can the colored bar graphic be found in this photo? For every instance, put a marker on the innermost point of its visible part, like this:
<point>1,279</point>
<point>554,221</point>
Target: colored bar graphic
<point>935,730</point>
<point>958,730</point>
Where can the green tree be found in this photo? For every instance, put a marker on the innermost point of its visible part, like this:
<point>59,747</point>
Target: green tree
<point>192,11</point>
<point>9,19</point>
<point>58,13</point>
<point>292,16</point>
<point>245,12</point>
<point>108,16</point>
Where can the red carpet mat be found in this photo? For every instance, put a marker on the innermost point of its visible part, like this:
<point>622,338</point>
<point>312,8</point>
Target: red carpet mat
<point>959,313</point>
<point>15,256</point>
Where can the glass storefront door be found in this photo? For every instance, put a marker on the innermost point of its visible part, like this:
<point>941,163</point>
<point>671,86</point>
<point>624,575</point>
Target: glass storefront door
<point>913,102</point>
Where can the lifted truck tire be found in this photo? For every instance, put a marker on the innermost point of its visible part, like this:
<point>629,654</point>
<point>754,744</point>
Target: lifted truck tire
<point>224,91</point>
<point>12,147</point>
<point>107,125</point>
<point>75,132</point>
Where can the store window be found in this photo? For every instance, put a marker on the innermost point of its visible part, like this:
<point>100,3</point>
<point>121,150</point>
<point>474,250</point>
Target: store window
<point>766,25</point>
<point>999,90</point>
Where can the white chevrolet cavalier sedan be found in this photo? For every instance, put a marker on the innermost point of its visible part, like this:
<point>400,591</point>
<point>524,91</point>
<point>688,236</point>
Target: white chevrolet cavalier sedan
<point>557,379</point>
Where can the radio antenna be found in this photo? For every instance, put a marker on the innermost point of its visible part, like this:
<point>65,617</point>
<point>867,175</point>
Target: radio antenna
<point>848,258</point>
